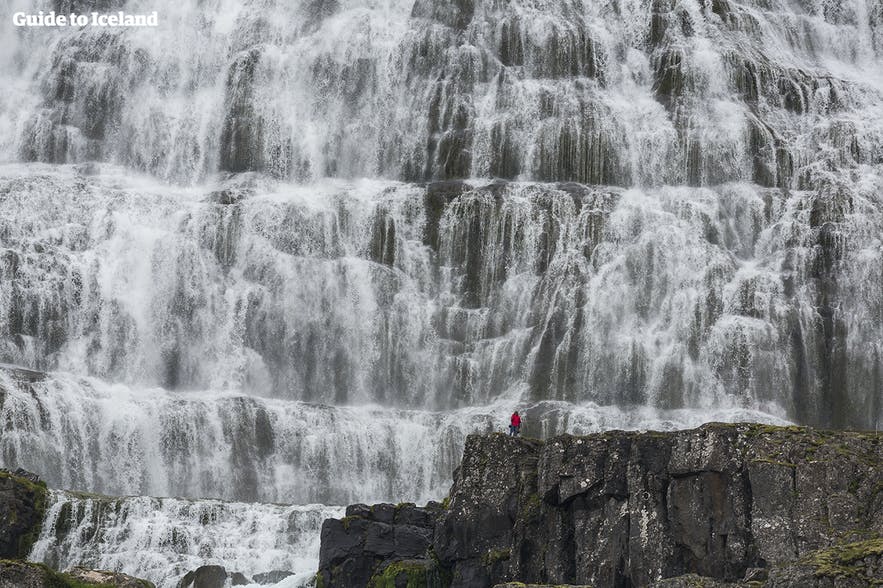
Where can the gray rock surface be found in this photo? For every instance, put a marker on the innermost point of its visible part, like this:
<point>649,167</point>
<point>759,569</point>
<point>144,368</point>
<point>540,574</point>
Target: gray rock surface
<point>272,577</point>
<point>204,577</point>
<point>383,540</point>
<point>22,574</point>
<point>737,504</point>
<point>105,578</point>
<point>22,505</point>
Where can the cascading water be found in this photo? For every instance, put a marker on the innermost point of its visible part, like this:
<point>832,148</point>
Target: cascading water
<point>295,252</point>
<point>165,538</point>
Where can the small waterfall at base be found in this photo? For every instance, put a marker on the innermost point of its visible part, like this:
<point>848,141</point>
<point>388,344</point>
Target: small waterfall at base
<point>160,539</point>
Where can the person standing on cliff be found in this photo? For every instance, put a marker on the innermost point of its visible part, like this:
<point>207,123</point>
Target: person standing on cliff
<point>515,424</point>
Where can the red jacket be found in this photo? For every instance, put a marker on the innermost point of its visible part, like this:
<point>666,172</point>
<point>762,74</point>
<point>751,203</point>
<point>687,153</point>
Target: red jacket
<point>516,420</point>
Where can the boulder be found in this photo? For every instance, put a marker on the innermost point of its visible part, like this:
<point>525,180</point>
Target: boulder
<point>272,577</point>
<point>22,574</point>
<point>105,578</point>
<point>19,574</point>
<point>204,577</point>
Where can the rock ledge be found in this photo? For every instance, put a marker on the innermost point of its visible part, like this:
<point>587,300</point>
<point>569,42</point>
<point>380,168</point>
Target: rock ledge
<point>740,505</point>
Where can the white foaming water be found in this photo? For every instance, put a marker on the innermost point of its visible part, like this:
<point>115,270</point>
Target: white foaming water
<point>161,539</point>
<point>277,330</point>
<point>421,90</point>
<point>81,433</point>
<point>86,435</point>
<point>671,297</point>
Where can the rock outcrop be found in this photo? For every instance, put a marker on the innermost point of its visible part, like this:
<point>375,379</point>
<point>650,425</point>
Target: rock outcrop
<point>105,578</point>
<point>732,505</point>
<point>22,505</point>
<point>390,543</point>
<point>23,574</point>
<point>212,576</point>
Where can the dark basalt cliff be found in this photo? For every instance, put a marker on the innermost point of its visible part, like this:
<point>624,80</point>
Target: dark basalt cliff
<point>22,504</point>
<point>746,504</point>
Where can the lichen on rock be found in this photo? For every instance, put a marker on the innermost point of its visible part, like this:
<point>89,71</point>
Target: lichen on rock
<point>741,505</point>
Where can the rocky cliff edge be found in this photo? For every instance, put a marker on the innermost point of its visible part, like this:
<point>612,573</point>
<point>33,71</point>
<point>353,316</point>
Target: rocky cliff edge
<point>739,505</point>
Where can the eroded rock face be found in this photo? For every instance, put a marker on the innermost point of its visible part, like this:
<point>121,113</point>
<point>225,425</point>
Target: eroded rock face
<point>22,504</point>
<point>272,577</point>
<point>382,541</point>
<point>22,574</point>
<point>105,578</point>
<point>727,503</point>
<point>212,576</point>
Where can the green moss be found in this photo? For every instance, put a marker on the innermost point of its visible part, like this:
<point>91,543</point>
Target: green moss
<point>39,495</point>
<point>53,579</point>
<point>840,561</point>
<point>495,555</point>
<point>346,521</point>
<point>87,495</point>
<point>531,507</point>
<point>319,581</point>
<point>757,429</point>
<point>446,503</point>
<point>523,585</point>
<point>774,462</point>
<point>416,574</point>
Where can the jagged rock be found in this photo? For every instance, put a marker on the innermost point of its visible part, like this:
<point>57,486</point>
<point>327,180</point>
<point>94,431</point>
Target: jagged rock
<point>22,374</point>
<point>22,504</point>
<point>272,577</point>
<point>204,577</point>
<point>381,541</point>
<point>19,574</point>
<point>734,505</point>
<point>842,566</point>
<point>105,578</point>
<point>696,581</point>
<point>522,585</point>
<point>22,574</point>
<point>851,565</point>
<point>213,576</point>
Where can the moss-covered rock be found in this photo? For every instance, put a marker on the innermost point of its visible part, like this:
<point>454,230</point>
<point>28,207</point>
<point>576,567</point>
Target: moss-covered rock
<point>847,565</point>
<point>21,574</point>
<point>409,574</point>
<point>22,506</point>
<point>723,505</point>
<point>523,585</point>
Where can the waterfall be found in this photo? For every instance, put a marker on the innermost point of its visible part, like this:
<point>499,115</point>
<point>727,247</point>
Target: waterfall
<point>465,293</point>
<point>162,539</point>
<point>294,252</point>
<point>114,440</point>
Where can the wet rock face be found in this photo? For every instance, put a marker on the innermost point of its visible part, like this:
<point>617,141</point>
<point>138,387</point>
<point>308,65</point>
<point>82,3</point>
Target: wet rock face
<point>22,504</point>
<point>273,577</point>
<point>212,577</point>
<point>19,574</point>
<point>725,503</point>
<point>104,578</point>
<point>23,574</point>
<point>380,541</point>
